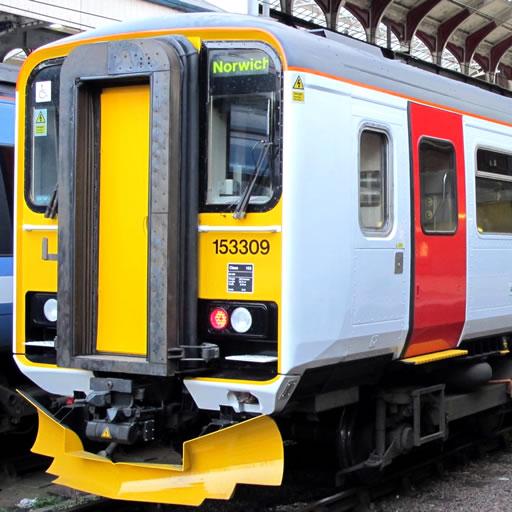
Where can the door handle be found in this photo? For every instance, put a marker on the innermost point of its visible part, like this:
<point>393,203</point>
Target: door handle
<point>45,254</point>
<point>399,262</point>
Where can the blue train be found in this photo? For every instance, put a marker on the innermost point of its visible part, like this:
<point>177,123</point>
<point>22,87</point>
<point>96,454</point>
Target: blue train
<point>7,111</point>
<point>15,416</point>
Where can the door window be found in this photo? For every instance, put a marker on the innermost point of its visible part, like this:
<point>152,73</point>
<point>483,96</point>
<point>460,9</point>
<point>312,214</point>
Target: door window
<point>373,177</point>
<point>438,187</point>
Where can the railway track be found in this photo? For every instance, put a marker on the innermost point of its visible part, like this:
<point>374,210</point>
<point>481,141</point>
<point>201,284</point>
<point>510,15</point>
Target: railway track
<point>17,465</point>
<point>401,479</point>
<point>105,506</point>
<point>89,503</point>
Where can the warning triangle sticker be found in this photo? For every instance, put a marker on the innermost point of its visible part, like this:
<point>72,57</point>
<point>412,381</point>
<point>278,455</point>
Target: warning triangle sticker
<point>106,434</point>
<point>40,118</point>
<point>299,84</point>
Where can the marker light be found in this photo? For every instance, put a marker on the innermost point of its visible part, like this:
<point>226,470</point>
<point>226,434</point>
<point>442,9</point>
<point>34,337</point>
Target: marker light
<point>50,310</point>
<point>241,320</point>
<point>219,319</point>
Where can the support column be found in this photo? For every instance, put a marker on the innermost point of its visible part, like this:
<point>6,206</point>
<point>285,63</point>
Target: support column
<point>286,6</point>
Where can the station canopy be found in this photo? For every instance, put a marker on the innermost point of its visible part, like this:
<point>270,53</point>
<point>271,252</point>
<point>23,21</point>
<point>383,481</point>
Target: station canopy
<point>470,36</point>
<point>473,37</point>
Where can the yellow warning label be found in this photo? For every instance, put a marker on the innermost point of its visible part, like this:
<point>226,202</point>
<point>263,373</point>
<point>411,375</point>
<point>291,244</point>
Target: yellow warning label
<point>40,122</point>
<point>299,84</point>
<point>106,434</point>
<point>298,96</point>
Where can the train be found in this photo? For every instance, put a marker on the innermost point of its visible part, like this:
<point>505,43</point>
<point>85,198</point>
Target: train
<point>7,80</point>
<point>231,232</point>
<point>15,416</point>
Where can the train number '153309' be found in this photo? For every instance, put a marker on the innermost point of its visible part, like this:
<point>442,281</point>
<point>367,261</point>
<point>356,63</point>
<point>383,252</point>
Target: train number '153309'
<point>243,246</point>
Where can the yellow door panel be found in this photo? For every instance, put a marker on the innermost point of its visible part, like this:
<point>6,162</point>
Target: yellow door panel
<point>123,235</point>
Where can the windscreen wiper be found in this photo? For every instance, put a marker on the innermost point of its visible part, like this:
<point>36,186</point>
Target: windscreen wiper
<point>241,207</point>
<point>52,207</point>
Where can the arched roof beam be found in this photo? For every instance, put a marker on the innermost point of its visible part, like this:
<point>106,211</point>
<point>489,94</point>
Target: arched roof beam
<point>472,42</point>
<point>376,13</point>
<point>361,15</point>
<point>506,71</point>
<point>428,40</point>
<point>482,61</point>
<point>446,30</point>
<point>497,52</point>
<point>330,9</point>
<point>415,16</point>
<point>456,51</point>
<point>307,23</point>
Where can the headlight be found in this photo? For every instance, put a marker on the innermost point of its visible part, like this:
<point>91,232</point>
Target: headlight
<point>50,310</point>
<point>241,320</point>
<point>237,320</point>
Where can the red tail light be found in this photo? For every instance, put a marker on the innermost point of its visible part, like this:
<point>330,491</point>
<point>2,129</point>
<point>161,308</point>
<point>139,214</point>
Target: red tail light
<point>219,319</point>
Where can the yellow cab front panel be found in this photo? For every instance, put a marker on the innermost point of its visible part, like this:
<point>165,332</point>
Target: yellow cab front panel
<point>104,231</point>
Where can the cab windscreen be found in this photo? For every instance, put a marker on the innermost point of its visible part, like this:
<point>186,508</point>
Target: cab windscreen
<point>242,129</point>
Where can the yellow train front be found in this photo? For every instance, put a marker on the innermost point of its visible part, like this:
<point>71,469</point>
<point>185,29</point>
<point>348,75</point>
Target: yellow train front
<point>146,299</point>
<point>222,221</point>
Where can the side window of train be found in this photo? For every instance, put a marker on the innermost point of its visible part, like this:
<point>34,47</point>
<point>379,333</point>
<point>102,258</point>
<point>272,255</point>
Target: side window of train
<point>438,187</point>
<point>493,191</point>
<point>373,182</point>
<point>42,128</point>
<point>5,205</point>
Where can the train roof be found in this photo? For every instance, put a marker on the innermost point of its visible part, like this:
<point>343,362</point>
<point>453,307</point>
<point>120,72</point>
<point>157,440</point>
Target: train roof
<point>345,58</point>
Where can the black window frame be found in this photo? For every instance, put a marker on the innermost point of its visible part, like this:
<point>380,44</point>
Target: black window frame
<point>492,177</point>
<point>386,188</point>
<point>455,186</point>
<point>28,156</point>
<point>204,74</point>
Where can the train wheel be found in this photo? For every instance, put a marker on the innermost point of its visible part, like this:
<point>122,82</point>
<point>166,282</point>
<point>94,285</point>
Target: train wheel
<point>356,435</point>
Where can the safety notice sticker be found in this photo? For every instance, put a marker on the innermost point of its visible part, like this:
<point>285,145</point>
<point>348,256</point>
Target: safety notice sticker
<point>298,90</point>
<point>240,277</point>
<point>40,122</point>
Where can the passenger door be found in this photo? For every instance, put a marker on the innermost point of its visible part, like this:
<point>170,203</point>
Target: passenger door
<point>381,264</point>
<point>439,263</point>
